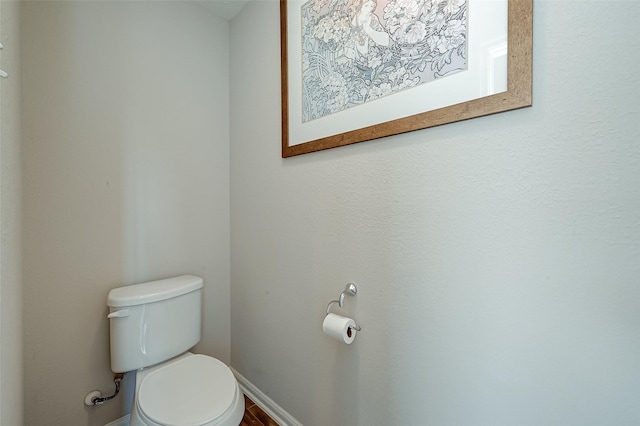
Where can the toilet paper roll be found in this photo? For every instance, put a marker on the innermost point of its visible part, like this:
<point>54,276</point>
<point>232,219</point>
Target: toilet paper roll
<point>340,328</point>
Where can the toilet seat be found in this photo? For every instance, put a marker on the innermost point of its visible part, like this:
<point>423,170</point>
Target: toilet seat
<point>192,391</point>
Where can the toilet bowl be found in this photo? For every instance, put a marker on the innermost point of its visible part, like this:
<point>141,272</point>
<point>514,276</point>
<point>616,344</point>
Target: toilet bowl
<point>152,327</point>
<point>190,390</point>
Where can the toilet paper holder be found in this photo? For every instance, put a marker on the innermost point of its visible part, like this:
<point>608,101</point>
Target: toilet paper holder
<point>350,290</point>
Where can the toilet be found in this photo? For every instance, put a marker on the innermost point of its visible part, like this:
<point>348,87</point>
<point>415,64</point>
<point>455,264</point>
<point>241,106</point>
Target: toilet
<point>152,327</point>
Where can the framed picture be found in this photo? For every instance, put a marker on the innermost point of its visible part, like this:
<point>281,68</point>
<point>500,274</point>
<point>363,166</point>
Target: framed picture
<point>357,70</point>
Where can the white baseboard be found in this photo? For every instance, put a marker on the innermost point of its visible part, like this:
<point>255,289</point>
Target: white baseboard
<point>269,406</point>
<point>122,421</point>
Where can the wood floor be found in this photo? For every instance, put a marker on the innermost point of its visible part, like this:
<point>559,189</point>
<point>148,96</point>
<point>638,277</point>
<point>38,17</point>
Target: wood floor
<point>254,416</point>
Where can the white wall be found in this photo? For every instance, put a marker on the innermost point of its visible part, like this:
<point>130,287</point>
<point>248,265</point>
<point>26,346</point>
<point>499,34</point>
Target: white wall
<point>10,214</point>
<point>126,179</point>
<point>497,259</point>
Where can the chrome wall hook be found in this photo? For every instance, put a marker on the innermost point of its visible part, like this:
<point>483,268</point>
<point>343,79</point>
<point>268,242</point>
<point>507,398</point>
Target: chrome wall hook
<point>351,290</point>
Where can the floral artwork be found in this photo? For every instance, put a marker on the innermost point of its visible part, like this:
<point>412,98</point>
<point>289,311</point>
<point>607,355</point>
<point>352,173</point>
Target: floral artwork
<point>356,51</point>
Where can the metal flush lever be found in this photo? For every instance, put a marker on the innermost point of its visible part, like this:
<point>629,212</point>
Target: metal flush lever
<point>119,314</point>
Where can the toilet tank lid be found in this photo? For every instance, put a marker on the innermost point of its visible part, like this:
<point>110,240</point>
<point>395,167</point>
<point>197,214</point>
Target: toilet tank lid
<point>153,291</point>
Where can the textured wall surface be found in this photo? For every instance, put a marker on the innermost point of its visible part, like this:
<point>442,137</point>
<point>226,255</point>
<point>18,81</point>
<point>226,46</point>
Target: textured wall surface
<point>497,259</point>
<point>10,214</point>
<point>126,179</point>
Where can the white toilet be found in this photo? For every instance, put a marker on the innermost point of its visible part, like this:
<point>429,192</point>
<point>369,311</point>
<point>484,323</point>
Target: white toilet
<point>153,325</point>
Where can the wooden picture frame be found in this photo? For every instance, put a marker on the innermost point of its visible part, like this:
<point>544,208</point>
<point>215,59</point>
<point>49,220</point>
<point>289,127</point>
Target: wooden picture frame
<point>517,95</point>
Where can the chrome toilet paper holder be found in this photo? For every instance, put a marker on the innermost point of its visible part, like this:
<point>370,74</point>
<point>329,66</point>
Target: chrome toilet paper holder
<point>350,290</point>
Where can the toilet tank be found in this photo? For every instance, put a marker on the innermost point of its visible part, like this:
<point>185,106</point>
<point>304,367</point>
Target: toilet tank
<point>154,321</point>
